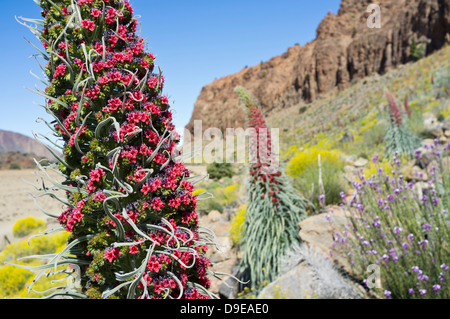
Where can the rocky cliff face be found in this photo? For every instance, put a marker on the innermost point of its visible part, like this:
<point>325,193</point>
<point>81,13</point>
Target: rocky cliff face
<point>345,50</point>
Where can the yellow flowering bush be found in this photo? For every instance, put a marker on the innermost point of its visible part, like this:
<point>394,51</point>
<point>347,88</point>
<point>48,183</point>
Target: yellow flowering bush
<point>198,191</point>
<point>37,246</point>
<point>27,225</point>
<point>304,169</point>
<point>221,195</point>
<point>13,280</point>
<point>237,224</point>
<point>372,169</point>
<point>305,159</point>
<point>230,194</point>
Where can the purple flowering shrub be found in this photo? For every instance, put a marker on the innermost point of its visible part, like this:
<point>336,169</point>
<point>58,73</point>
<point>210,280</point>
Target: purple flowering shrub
<point>130,207</point>
<point>403,227</point>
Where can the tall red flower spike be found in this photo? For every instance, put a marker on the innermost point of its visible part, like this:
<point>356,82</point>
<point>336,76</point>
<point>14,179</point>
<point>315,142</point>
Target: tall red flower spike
<point>130,207</point>
<point>394,111</point>
<point>274,208</point>
<point>399,139</point>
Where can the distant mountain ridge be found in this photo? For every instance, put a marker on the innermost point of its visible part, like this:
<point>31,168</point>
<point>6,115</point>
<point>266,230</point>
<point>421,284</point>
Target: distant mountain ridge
<point>16,142</point>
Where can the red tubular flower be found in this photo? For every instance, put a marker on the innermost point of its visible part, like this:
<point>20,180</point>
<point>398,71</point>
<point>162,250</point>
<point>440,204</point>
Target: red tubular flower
<point>111,254</point>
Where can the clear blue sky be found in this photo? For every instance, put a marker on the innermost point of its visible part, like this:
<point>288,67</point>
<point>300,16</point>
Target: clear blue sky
<point>195,42</point>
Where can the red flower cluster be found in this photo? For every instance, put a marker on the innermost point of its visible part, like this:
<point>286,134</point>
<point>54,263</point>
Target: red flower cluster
<point>60,70</point>
<point>88,24</point>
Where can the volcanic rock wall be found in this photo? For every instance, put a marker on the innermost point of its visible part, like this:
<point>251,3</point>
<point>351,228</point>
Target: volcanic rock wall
<point>345,50</point>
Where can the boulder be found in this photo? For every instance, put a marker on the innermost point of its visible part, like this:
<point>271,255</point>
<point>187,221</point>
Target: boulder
<point>418,189</point>
<point>316,268</point>
<point>360,162</point>
<point>214,216</point>
<point>223,257</point>
<point>426,152</point>
<point>298,283</point>
<point>351,172</point>
<point>446,163</point>
<point>229,287</point>
<point>414,172</point>
<point>222,252</point>
<point>427,141</point>
<point>314,276</point>
<point>429,120</point>
<point>319,231</point>
<point>436,165</point>
<point>436,131</point>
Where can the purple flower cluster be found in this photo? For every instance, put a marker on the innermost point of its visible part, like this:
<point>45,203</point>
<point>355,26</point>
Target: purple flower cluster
<point>396,222</point>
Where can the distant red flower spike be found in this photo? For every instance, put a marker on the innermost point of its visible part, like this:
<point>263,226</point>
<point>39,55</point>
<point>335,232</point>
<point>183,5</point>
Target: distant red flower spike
<point>394,111</point>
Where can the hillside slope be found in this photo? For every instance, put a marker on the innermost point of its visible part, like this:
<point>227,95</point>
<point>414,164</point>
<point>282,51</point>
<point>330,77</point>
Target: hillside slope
<point>344,51</point>
<point>355,120</point>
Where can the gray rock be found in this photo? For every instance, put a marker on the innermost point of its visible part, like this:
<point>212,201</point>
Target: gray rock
<point>436,131</point>
<point>223,251</point>
<point>427,155</point>
<point>429,120</point>
<point>414,172</point>
<point>229,288</point>
<point>214,216</point>
<point>313,277</point>
<point>360,162</point>
<point>319,230</point>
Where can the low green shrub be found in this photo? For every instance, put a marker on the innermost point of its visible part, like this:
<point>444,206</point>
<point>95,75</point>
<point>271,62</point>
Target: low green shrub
<point>221,195</point>
<point>15,166</point>
<point>375,135</point>
<point>417,51</point>
<point>218,171</point>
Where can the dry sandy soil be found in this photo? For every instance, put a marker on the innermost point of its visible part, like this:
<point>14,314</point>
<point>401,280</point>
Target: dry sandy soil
<point>16,201</point>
